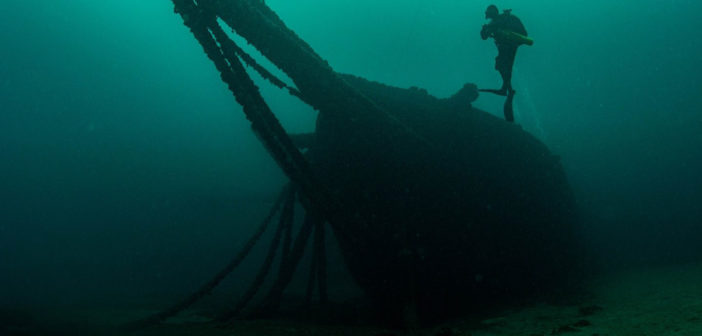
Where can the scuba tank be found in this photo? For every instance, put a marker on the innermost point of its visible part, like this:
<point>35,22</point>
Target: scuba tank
<point>510,36</point>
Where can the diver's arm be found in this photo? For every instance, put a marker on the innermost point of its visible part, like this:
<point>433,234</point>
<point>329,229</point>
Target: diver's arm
<point>488,30</point>
<point>483,33</point>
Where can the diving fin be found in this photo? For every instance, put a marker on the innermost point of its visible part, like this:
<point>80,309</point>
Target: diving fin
<point>501,92</point>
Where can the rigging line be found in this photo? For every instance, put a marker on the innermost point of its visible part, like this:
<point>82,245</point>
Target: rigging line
<point>229,46</point>
<point>283,228</point>
<point>217,279</point>
<point>272,299</point>
<point>263,121</point>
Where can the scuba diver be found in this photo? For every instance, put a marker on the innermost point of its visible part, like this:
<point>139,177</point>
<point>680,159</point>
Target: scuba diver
<point>509,33</point>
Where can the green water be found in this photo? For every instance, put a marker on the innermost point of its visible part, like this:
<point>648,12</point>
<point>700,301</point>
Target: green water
<point>128,171</point>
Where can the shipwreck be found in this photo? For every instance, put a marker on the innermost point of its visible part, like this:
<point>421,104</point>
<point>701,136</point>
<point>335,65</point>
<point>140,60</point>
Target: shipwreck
<point>436,205</point>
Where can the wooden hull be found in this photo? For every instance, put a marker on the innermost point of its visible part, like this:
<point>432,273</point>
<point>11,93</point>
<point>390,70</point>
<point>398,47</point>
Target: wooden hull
<point>482,213</point>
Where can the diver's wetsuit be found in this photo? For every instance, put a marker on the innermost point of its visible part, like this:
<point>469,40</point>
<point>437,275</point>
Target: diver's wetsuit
<point>506,50</point>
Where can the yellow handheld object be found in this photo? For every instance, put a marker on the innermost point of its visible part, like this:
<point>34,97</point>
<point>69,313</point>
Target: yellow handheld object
<point>507,35</point>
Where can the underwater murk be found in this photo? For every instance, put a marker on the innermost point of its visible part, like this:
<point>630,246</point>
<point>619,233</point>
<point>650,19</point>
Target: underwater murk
<point>247,167</point>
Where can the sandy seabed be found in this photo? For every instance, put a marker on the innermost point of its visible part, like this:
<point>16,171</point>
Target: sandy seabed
<point>657,302</point>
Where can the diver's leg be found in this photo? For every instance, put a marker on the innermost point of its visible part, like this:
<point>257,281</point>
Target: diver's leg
<point>503,64</point>
<point>508,108</point>
<point>500,66</point>
<point>508,63</point>
<point>506,82</point>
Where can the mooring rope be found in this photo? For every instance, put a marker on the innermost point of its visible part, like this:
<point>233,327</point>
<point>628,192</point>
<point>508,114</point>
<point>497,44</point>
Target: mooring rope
<point>289,211</point>
<point>272,300</point>
<point>217,279</point>
<point>284,225</point>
